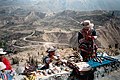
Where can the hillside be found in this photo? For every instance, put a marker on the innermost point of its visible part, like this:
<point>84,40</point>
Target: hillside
<point>61,27</point>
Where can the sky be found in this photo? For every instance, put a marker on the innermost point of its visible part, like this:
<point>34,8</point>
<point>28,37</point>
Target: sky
<point>89,4</point>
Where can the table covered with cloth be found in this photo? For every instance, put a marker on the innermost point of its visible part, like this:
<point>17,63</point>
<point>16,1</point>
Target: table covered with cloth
<point>59,76</point>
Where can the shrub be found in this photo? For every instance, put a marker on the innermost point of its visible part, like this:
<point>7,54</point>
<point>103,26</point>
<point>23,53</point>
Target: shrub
<point>15,60</point>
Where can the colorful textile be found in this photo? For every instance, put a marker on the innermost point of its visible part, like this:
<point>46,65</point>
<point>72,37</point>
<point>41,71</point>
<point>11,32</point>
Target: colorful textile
<point>7,63</point>
<point>6,75</point>
<point>3,76</point>
<point>30,77</point>
<point>106,60</point>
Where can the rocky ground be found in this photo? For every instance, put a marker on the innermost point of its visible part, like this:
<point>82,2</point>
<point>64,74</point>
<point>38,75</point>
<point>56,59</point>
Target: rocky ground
<point>37,53</point>
<point>112,76</point>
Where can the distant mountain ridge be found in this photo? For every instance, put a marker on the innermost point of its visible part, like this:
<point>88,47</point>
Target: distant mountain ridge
<point>60,5</point>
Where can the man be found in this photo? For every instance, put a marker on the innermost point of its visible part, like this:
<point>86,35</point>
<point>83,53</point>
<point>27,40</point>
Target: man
<point>86,39</point>
<point>50,57</point>
<point>5,60</point>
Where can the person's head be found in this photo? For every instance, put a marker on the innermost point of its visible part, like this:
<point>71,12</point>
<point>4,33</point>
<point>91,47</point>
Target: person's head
<point>87,23</point>
<point>51,51</point>
<point>2,52</point>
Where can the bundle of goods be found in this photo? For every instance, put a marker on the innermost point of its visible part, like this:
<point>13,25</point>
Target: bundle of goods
<point>54,73</point>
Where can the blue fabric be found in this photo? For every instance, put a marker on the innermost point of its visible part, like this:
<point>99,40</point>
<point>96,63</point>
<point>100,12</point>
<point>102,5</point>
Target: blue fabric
<point>1,76</point>
<point>94,64</point>
<point>9,76</point>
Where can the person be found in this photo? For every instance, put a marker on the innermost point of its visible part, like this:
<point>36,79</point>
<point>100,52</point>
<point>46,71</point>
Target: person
<point>86,39</point>
<point>5,60</point>
<point>50,57</point>
<point>3,76</point>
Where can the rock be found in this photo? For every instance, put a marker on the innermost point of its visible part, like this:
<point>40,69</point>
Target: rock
<point>20,70</point>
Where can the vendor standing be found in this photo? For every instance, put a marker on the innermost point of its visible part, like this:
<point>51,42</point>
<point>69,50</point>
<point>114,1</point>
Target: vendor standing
<point>86,38</point>
<point>50,57</point>
<point>5,60</point>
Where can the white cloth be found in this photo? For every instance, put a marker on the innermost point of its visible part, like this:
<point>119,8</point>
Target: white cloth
<point>2,66</point>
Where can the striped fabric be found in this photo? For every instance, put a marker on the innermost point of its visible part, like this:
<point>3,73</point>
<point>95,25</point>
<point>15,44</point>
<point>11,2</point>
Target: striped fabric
<point>3,76</point>
<point>6,76</point>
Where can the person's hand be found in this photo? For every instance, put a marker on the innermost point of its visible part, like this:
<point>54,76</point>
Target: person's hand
<point>64,61</point>
<point>90,37</point>
<point>55,57</point>
<point>95,37</point>
<point>93,55</point>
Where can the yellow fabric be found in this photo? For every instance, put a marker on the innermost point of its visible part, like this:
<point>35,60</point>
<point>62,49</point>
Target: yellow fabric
<point>31,77</point>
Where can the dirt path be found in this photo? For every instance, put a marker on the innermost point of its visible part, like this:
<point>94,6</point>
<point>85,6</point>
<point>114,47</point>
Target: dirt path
<point>38,43</point>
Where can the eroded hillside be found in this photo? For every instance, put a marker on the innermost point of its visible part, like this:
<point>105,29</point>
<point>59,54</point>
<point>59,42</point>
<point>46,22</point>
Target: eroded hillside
<point>35,28</point>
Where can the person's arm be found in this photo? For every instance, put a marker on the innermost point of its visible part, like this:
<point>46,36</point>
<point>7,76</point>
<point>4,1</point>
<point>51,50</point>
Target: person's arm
<point>80,36</point>
<point>48,60</point>
<point>94,34</point>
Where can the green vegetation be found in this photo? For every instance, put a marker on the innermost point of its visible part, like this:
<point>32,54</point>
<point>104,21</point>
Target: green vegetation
<point>2,44</point>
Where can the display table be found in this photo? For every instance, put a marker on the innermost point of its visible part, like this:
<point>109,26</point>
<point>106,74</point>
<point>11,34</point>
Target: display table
<point>59,76</point>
